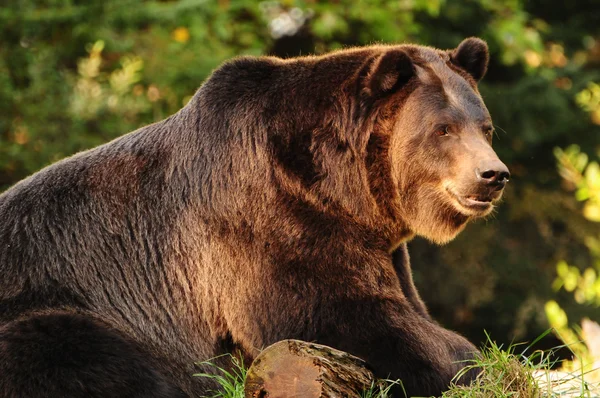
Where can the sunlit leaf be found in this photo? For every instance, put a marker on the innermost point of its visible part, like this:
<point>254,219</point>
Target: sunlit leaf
<point>556,316</point>
<point>591,211</point>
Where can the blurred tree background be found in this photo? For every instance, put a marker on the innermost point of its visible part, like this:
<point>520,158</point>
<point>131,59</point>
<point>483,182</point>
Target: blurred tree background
<point>77,73</point>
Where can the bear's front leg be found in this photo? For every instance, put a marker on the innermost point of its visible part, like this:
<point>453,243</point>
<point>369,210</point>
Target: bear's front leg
<point>352,302</point>
<point>398,343</point>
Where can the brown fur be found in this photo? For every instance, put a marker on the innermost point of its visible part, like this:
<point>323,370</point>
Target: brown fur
<point>267,208</point>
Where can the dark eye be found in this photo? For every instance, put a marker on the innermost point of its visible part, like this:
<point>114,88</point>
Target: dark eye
<point>442,131</point>
<point>489,132</point>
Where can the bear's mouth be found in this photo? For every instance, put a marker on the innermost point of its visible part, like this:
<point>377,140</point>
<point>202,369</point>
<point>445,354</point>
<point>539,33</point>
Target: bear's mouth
<point>473,205</point>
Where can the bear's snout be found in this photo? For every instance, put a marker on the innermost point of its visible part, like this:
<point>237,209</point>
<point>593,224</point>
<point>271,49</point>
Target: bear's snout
<point>493,175</point>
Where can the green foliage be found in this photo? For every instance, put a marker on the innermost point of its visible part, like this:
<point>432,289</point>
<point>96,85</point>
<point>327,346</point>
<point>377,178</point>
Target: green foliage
<point>507,373</point>
<point>573,340</point>
<point>76,74</point>
<point>589,99</point>
<point>504,374</point>
<point>230,381</point>
<point>382,389</point>
<point>583,176</point>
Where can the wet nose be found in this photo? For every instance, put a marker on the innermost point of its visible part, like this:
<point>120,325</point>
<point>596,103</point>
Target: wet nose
<point>494,174</point>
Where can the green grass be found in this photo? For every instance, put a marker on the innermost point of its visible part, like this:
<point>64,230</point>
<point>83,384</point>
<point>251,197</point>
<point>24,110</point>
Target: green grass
<point>524,375</point>
<point>505,374</point>
<point>381,389</point>
<point>231,382</point>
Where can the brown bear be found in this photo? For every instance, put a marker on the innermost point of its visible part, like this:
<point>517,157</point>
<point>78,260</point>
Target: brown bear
<point>268,208</point>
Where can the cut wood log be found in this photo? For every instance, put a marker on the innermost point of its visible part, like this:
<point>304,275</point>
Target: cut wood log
<point>294,368</point>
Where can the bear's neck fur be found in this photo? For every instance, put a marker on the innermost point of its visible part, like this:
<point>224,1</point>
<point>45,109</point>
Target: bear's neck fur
<point>327,149</point>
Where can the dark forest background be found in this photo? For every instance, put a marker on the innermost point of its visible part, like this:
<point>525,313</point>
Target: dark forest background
<point>77,73</point>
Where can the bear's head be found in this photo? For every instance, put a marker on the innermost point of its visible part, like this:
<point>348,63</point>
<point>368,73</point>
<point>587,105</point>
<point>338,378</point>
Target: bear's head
<point>438,136</point>
<point>395,138</point>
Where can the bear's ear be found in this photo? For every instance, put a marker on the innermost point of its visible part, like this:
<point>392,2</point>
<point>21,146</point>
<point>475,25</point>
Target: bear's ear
<point>472,56</point>
<point>389,72</point>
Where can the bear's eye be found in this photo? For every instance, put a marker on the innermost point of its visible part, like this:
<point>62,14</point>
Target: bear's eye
<point>442,131</point>
<point>489,132</point>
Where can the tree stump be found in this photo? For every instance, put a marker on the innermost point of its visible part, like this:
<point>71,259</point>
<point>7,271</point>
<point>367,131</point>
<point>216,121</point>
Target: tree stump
<point>294,368</point>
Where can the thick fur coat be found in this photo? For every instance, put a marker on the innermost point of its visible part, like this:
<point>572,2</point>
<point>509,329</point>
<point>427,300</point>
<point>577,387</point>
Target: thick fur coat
<point>268,208</point>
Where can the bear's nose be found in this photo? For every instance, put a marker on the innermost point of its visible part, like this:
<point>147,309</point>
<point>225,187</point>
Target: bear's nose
<point>495,174</point>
